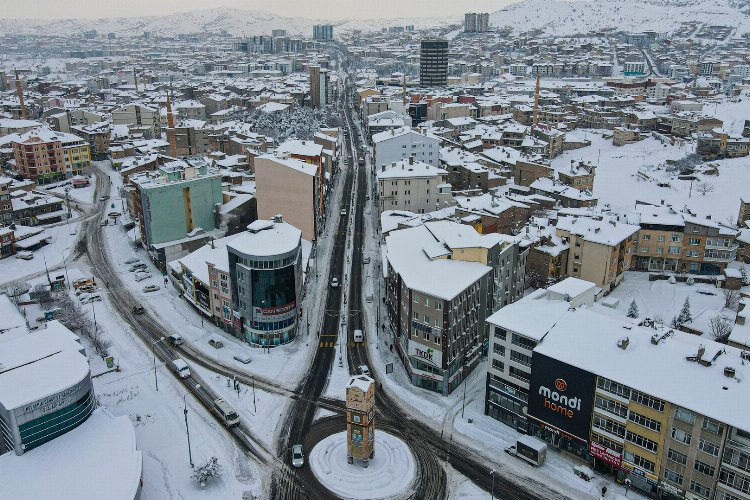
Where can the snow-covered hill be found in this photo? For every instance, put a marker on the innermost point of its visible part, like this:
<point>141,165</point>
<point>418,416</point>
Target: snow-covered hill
<point>233,21</point>
<point>565,17</point>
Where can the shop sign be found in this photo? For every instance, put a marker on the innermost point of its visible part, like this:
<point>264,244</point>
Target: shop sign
<point>606,454</point>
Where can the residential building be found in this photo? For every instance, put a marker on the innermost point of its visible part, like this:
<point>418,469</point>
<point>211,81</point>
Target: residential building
<point>399,144</point>
<point>433,62</point>
<point>44,155</point>
<point>476,22</point>
<point>564,194</point>
<point>175,200</point>
<point>323,32</point>
<point>140,119</point>
<point>289,187</point>
<point>6,206</point>
<point>412,185</point>
<point>319,83</point>
<point>580,175</point>
<point>439,323</point>
<point>600,251</point>
<point>7,242</point>
<point>98,136</point>
<point>742,217</point>
<point>265,269</point>
<point>190,137</point>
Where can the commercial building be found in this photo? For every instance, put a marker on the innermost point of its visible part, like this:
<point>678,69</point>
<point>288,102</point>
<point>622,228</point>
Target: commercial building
<point>319,83</point>
<point>600,250</point>
<point>440,282</point>
<point>414,186</point>
<point>661,408</point>
<point>177,198</point>
<point>322,32</point>
<point>433,62</point>
<point>265,269</point>
<point>476,22</point>
<point>401,143</point>
<point>289,187</point>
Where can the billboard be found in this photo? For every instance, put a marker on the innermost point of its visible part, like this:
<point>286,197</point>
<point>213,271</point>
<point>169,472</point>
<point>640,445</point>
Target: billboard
<point>561,397</point>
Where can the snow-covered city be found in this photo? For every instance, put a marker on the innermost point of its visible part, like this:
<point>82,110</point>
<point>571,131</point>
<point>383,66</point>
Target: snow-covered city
<point>407,250</point>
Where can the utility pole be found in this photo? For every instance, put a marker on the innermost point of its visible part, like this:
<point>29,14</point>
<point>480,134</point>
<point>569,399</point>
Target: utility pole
<point>187,427</point>
<point>153,352</point>
<point>492,474</point>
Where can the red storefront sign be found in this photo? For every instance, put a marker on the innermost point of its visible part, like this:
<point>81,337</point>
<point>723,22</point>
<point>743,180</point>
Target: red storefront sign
<point>604,453</point>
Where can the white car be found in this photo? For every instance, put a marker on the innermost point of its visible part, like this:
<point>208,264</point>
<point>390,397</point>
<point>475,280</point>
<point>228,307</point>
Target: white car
<point>150,288</point>
<point>298,458</point>
<point>334,282</point>
<point>364,370</point>
<point>343,211</point>
<point>25,255</point>
<point>142,276</point>
<point>91,298</point>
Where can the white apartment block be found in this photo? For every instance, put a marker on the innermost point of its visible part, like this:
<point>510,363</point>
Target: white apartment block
<point>414,186</point>
<point>399,144</point>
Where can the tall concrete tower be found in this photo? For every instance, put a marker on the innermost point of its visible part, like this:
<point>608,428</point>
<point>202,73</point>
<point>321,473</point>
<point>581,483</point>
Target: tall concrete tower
<point>360,419</point>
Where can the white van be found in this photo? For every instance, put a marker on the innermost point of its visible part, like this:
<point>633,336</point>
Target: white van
<point>358,336</point>
<point>226,412</point>
<point>182,369</point>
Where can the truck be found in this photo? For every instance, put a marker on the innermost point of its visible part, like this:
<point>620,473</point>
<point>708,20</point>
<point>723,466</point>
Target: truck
<point>530,449</point>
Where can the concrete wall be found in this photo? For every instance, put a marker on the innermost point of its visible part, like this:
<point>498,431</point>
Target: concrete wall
<point>285,191</point>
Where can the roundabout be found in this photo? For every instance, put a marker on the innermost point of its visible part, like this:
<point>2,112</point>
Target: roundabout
<point>390,473</point>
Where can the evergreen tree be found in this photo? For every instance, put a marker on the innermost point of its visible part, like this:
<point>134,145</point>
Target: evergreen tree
<point>674,323</point>
<point>210,469</point>
<point>633,310</point>
<point>685,315</point>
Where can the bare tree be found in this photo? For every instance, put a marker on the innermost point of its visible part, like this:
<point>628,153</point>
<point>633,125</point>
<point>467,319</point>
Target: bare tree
<point>43,296</point>
<point>721,328</point>
<point>15,289</point>
<point>731,299</point>
<point>704,188</point>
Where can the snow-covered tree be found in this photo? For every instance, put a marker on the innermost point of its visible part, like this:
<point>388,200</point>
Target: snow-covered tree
<point>704,188</point>
<point>633,310</point>
<point>721,327</point>
<point>685,315</point>
<point>208,470</point>
<point>743,272</point>
<point>731,299</point>
<point>674,323</point>
<point>690,281</point>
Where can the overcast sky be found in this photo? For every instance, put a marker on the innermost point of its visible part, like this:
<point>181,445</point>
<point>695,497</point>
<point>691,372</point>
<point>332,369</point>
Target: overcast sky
<point>328,9</point>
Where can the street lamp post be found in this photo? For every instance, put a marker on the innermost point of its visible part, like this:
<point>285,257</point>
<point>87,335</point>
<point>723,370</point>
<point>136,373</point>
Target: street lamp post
<point>153,352</point>
<point>492,475</point>
<point>187,427</point>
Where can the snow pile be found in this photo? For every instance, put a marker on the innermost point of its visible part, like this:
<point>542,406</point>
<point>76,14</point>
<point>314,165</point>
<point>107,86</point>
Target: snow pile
<point>390,472</point>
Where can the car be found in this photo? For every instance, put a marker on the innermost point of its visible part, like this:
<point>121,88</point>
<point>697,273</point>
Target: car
<point>150,288</point>
<point>91,298</point>
<point>104,222</point>
<point>358,336</point>
<point>85,289</point>
<point>175,339</point>
<point>131,261</point>
<point>138,309</point>
<point>215,343</point>
<point>114,214</point>
<point>83,282</point>
<point>181,368</point>
<point>343,211</point>
<point>104,198</point>
<point>366,260</point>
<point>142,276</point>
<point>242,358</point>
<point>364,370</point>
<point>298,457</point>
<point>25,255</point>
<point>137,267</point>
<point>334,282</point>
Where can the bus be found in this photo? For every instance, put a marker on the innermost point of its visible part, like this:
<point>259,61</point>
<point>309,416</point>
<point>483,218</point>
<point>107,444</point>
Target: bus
<point>226,412</point>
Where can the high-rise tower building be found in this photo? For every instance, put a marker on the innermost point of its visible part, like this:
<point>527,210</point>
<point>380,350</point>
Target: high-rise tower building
<point>433,62</point>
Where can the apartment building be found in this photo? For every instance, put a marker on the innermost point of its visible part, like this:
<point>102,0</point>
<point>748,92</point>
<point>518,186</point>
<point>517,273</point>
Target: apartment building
<point>44,155</point>
<point>600,251</point>
<point>476,22</point>
<point>323,32</point>
<point>289,187</point>
<point>679,242</point>
<point>402,143</point>
<point>563,194</point>
<point>140,119</point>
<point>414,186</point>
<point>190,138</point>
<point>97,135</point>
<point>319,86</point>
<point>580,175</point>
<point>179,197</point>
<point>440,286</point>
<point>6,206</point>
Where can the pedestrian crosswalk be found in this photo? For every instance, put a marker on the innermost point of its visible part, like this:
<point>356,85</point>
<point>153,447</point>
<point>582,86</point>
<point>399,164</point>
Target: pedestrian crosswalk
<point>327,343</point>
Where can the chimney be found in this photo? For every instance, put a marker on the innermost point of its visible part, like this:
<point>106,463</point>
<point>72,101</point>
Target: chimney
<point>278,218</point>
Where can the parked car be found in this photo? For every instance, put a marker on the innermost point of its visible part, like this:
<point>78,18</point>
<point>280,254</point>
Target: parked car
<point>132,260</point>
<point>137,267</point>
<point>175,339</point>
<point>364,370</point>
<point>142,276</point>
<point>150,288</point>
<point>83,282</point>
<point>216,343</point>
<point>104,222</point>
<point>242,358</point>
<point>104,198</point>
<point>25,255</point>
<point>95,297</point>
<point>334,282</point>
<point>85,290</point>
<point>366,260</point>
<point>298,458</point>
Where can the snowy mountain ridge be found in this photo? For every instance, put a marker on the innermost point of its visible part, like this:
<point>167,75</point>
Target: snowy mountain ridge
<point>236,22</point>
<point>569,17</point>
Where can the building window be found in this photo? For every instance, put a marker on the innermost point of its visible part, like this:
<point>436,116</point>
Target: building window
<point>737,459</point>
<point>520,358</point>
<point>704,468</point>
<point>498,349</point>
<point>609,426</point>
<point>684,415</point>
<point>677,457</point>
<point>672,476</point>
<point>639,461</point>
<point>500,333</point>
<point>700,489</point>
<point>712,426</point>
<point>681,436</point>
<point>497,364</point>
<point>644,421</point>
<point>643,442</point>
<point>708,447</point>
<point>734,480</point>
<point>611,406</point>
<point>613,387</point>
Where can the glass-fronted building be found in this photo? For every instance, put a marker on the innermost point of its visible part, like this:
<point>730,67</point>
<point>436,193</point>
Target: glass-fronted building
<point>265,264</point>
